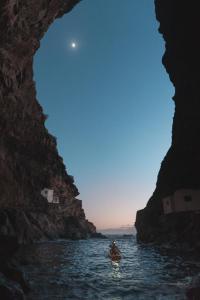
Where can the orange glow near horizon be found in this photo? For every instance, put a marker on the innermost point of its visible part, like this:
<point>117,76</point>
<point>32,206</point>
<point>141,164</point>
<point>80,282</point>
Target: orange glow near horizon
<point>114,206</point>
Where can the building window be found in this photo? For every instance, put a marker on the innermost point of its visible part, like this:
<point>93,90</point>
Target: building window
<point>187,198</point>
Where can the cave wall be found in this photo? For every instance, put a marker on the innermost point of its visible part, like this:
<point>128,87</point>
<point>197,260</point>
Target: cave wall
<point>179,26</point>
<point>29,160</point>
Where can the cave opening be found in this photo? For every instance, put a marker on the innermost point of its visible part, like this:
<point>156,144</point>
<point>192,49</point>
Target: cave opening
<point>100,80</point>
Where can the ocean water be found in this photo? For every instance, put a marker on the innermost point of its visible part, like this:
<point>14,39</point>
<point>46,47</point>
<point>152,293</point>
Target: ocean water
<point>81,269</point>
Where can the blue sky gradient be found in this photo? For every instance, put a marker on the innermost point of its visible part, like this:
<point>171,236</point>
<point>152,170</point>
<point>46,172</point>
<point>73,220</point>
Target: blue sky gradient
<point>109,103</point>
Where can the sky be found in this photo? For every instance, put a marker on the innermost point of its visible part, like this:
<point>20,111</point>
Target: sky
<point>108,99</point>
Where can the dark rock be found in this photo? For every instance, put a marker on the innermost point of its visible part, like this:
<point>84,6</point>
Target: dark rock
<point>78,228</point>
<point>9,290</point>
<point>8,246</point>
<point>179,25</point>
<point>16,275</point>
<point>29,160</point>
<point>193,293</point>
<point>98,235</point>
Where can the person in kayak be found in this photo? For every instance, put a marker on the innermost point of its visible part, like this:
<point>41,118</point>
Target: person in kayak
<point>114,250</point>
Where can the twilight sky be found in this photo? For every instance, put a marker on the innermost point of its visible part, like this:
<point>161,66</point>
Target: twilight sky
<point>109,103</point>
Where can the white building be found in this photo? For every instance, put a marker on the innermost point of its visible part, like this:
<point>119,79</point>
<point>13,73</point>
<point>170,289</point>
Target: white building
<point>182,200</point>
<point>50,195</point>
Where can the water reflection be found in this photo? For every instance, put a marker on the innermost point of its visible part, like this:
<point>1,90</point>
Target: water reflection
<point>80,270</point>
<point>116,273</point>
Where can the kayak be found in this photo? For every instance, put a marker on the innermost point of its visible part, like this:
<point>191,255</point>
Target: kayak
<point>114,257</point>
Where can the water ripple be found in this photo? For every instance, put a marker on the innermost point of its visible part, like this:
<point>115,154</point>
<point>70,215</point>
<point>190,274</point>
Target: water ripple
<point>81,270</point>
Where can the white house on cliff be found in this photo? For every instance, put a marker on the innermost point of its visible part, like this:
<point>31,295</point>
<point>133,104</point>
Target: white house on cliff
<point>182,200</point>
<point>50,195</point>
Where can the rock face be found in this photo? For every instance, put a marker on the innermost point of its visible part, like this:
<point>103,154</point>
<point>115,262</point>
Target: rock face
<point>179,25</point>
<point>29,160</point>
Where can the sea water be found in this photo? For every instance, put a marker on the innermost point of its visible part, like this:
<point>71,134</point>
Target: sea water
<point>81,269</point>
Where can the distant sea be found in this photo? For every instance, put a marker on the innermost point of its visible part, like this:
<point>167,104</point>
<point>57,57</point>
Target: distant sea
<point>127,229</point>
<point>81,269</point>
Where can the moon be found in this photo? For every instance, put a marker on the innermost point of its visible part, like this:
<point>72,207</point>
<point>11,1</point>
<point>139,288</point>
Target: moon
<point>73,45</point>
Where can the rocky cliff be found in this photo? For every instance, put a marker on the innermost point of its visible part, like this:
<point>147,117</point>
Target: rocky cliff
<point>29,160</point>
<point>179,25</point>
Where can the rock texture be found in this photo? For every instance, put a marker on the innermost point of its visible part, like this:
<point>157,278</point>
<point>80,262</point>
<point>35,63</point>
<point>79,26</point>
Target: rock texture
<point>179,25</point>
<point>29,160</point>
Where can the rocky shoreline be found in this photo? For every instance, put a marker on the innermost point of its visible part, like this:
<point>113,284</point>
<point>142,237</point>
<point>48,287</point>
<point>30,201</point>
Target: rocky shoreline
<point>12,282</point>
